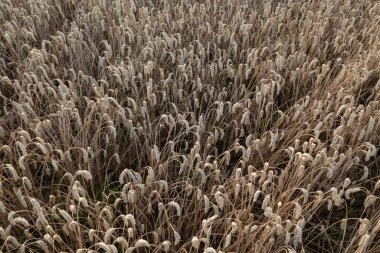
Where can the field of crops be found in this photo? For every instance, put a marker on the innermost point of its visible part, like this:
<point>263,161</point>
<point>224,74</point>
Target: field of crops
<point>190,126</point>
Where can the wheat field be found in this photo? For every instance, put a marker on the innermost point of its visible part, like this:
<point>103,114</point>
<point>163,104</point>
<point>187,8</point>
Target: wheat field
<point>189,126</point>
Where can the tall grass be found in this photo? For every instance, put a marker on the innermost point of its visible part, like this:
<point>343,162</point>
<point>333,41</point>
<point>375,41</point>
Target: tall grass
<point>189,126</point>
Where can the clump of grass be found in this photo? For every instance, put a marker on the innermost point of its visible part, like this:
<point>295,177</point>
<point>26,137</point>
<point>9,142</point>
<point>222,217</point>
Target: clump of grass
<point>187,126</point>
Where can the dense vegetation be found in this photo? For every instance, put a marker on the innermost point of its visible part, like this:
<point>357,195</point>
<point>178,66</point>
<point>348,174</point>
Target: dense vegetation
<point>189,126</point>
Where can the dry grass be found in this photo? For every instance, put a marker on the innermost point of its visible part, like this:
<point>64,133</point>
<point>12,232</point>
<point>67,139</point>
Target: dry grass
<point>189,126</point>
